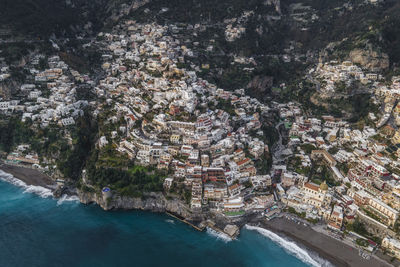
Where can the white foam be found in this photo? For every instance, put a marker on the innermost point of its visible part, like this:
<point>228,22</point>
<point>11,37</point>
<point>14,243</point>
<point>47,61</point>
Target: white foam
<point>66,198</point>
<point>170,221</point>
<point>35,189</point>
<point>38,190</point>
<point>219,235</point>
<point>291,247</point>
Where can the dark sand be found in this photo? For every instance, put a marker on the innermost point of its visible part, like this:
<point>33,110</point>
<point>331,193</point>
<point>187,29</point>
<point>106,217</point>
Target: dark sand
<point>29,176</point>
<point>333,250</point>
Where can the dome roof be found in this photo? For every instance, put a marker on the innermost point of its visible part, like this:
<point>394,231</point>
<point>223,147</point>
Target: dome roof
<point>323,186</point>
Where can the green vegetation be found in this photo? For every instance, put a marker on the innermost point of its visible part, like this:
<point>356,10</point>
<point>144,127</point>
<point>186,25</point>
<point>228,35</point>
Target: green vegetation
<point>270,135</point>
<point>73,160</point>
<point>308,148</point>
<point>13,132</point>
<point>359,228</point>
<point>302,215</point>
<point>132,182</point>
<point>187,195</point>
<point>372,215</point>
<point>15,51</point>
<point>313,221</point>
<point>263,164</point>
<point>109,157</point>
<point>391,169</point>
<point>343,167</point>
<point>41,18</point>
<point>362,242</point>
<point>226,106</point>
<point>320,173</point>
<point>295,164</point>
<point>51,142</point>
<point>234,213</point>
<point>333,150</point>
<point>292,210</point>
<point>83,60</point>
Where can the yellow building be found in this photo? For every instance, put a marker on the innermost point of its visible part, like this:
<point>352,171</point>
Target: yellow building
<point>315,154</point>
<point>392,198</point>
<point>315,195</point>
<point>396,138</point>
<point>396,109</point>
<point>175,138</point>
<point>386,214</point>
<point>392,245</point>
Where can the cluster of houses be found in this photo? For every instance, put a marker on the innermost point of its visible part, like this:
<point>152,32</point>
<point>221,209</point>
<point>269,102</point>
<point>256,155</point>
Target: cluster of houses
<point>23,155</point>
<point>4,71</point>
<point>207,138</point>
<point>389,95</point>
<point>332,72</point>
<point>363,163</point>
<point>49,96</point>
<point>235,26</point>
<point>210,140</point>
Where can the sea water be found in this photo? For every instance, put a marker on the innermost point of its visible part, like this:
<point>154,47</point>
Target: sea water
<point>37,230</point>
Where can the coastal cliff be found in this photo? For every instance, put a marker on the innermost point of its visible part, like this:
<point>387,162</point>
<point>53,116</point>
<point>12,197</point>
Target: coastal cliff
<point>155,202</point>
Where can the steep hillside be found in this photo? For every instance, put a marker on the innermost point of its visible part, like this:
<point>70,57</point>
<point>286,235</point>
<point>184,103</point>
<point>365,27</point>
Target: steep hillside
<point>255,44</point>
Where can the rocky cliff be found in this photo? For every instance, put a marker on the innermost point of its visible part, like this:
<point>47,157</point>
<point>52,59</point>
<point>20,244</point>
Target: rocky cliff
<point>8,87</point>
<point>118,10</point>
<point>370,59</point>
<point>155,202</point>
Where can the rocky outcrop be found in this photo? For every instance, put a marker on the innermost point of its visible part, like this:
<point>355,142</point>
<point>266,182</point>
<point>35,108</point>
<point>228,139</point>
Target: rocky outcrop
<point>8,87</point>
<point>370,59</point>
<point>119,10</point>
<point>155,202</point>
<point>260,84</point>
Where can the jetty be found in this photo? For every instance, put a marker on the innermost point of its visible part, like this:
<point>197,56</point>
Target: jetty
<point>199,227</point>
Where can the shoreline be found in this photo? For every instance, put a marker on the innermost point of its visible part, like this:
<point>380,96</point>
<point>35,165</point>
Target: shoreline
<point>336,252</point>
<point>327,248</point>
<point>29,176</point>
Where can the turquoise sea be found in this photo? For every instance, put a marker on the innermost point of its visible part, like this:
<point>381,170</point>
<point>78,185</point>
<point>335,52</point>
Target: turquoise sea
<point>41,231</point>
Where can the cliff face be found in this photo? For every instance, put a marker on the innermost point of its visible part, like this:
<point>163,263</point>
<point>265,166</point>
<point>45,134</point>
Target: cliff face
<point>155,202</point>
<point>118,10</point>
<point>261,83</point>
<point>370,59</point>
<point>8,87</point>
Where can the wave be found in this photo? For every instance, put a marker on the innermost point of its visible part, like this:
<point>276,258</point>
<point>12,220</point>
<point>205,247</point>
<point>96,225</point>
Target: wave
<point>291,247</point>
<point>219,235</point>
<point>67,198</point>
<point>170,221</point>
<point>38,190</point>
<point>35,189</point>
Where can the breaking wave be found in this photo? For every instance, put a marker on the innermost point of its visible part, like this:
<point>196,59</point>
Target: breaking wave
<point>38,190</point>
<point>66,198</point>
<point>291,247</point>
<point>35,189</point>
<point>219,235</point>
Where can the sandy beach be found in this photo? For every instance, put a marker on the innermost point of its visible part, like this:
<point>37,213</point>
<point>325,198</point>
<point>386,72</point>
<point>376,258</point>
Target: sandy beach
<point>29,176</point>
<point>336,252</point>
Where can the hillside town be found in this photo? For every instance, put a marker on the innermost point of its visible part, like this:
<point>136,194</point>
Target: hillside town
<point>215,143</point>
<point>207,138</point>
